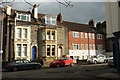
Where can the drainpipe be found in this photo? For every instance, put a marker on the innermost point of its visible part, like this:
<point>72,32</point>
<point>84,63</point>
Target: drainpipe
<point>88,48</point>
<point>14,38</point>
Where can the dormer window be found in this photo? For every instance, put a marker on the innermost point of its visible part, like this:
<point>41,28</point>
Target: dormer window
<point>23,17</point>
<point>50,20</point>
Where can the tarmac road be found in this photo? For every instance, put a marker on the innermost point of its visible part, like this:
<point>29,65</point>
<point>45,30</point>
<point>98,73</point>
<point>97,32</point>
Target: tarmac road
<point>78,71</point>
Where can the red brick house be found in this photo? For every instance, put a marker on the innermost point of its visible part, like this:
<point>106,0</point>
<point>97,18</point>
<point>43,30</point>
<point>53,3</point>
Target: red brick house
<point>80,36</point>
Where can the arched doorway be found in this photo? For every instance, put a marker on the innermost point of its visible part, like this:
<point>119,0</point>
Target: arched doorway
<point>33,52</point>
<point>60,52</point>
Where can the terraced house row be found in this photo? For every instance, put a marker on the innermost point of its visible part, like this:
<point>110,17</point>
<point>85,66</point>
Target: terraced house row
<point>32,35</point>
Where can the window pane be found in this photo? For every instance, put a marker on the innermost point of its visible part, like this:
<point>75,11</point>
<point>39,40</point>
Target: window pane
<point>27,18</point>
<point>54,21</point>
<point>53,35</point>
<point>23,17</point>
<point>94,47</point>
<point>75,34</point>
<point>81,35</point>
<point>48,20</point>
<point>19,32</point>
<point>43,35</point>
<point>85,35</point>
<point>93,36</point>
<point>82,46</point>
<point>89,35</point>
<point>76,46</point>
<point>100,47</point>
<point>86,46</point>
<point>19,17</point>
<point>53,50</point>
<point>24,49</point>
<point>48,50</point>
<point>48,35</point>
<point>24,33</point>
<point>18,52</point>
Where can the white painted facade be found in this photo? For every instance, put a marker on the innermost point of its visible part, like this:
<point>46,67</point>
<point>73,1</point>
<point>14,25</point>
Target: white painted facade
<point>84,54</point>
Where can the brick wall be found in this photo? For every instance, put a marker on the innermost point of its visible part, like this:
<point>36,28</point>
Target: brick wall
<point>79,40</point>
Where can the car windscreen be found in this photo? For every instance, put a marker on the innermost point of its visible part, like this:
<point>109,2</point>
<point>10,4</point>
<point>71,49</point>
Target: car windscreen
<point>18,61</point>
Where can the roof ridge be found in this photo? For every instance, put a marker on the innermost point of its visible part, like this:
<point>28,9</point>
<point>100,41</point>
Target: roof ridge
<point>75,23</point>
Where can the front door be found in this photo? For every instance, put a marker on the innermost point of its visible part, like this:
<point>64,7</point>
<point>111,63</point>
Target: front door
<point>33,53</point>
<point>60,52</point>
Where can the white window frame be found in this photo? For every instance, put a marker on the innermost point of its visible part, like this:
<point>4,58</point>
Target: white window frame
<point>90,46</point>
<point>99,36</point>
<point>89,35</point>
<point>21,14</point>
<point>81,34</point>
<point>23,52</point>
<point>51,20</point>
<point>17,52</point>
<point>25,33</point>
<point>75,34</point>
<point>93,36</point>
<point>22,32</point>
<point>93,46</point>
<point>76,45</point>
<point>52,50</point>
<point>47,50</point>
<point>85,35</point>
<point>52,36</point>
<point>19,34</point>
<point>48,36</point>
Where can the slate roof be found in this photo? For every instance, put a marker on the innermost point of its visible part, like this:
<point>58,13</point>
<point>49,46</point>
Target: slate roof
<point>79,27</point>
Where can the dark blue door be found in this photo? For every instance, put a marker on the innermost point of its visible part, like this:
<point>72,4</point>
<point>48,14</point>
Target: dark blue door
<point>34,53</point>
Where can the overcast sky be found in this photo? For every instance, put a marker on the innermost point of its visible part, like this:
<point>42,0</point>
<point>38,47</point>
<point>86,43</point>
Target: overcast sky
<point>81,12</point>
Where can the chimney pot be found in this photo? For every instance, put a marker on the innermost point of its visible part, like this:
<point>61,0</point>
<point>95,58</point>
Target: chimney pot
<point>35,11</point>
<point>59,17</point>
<point>8,10</point>
<point>91,22</point>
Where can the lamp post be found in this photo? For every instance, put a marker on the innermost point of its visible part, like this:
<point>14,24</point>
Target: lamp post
<point>1,39</point>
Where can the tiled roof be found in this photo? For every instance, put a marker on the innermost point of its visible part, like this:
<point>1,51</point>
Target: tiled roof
<point>79,27</point>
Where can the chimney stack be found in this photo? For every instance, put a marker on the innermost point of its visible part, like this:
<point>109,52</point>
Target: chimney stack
<point>98,24</point>
<point>59,17</point>
<point>35,11</point>
<point>8,10</point>
<point>91,22</point>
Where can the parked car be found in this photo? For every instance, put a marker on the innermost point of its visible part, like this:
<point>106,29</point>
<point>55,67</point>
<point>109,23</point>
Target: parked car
<point>64,61</point>
<point>97,59</point>
<point>21,64</point>
<point>109,58</point>
<point>111,62</point>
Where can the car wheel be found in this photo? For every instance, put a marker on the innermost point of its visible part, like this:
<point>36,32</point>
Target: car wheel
<point>15,69</point>
<point>57,65</point>
<point>95,62</point>
<point>105,61</point>
<point>37,67</point>
<point>72,64</point>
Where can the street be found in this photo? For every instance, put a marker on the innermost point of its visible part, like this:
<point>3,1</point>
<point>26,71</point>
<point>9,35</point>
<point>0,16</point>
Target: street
<point>77,71</point>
